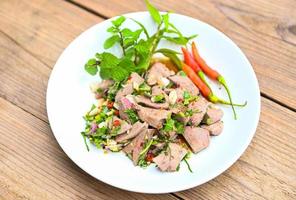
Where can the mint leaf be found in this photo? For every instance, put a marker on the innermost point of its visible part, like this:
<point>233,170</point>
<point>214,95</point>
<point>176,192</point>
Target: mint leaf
<point>153,12</point>
<point>127,64</point>
<point>108,60</point>
<point>112,29</point>
<point>111,41</point>
<point>127,32</point>
<point>119,73</point>
<point>91,66</point>
<point>117,22</point>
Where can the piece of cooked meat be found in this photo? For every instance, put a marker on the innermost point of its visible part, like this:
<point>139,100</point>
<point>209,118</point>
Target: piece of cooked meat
<point>154,117</point>
<point>169,160</point>
<point>135,147</point>
<point>214,129</point>
<point>129,88</point>
<point>136,129</point>
<point>139,142</point>
<point>124,126</point>
<point>199,108</point>
<point>147,102</point>
<point>156,72</point>
<point>156,90</point>
<point>124,104</point>
<point>213,115</point>
<point>126,90</point>
<point>197,138</point>
<point>185,83</point>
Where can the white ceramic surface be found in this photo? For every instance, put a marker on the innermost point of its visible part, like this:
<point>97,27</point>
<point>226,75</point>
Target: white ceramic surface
<point>69,97</point>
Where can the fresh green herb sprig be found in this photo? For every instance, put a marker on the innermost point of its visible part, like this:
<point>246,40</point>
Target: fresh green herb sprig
<point>136,51</point>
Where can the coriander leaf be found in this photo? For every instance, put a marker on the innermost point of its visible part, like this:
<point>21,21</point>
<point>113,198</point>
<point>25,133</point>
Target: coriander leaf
<point>142,26</point>
<point>91,66</point>
<point>166,21</point>
<point>117,22</point>
<point>153,12</point>
<point>111,41</point>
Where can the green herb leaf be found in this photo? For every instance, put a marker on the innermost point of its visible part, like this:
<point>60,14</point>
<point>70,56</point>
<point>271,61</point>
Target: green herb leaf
<point>111,41</point>
<point>132,115</point>
<point>117,22</point>
<point>169,125</point>
<point>91,66</point>
<point>142,26</point>
<point>158,98</point>
<point>84,139</point>
<point>153,12</point>
<point>166,21</point>
<point>112,29</point>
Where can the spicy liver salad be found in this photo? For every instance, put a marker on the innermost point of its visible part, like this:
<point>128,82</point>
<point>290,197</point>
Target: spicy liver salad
<point>154,111</point>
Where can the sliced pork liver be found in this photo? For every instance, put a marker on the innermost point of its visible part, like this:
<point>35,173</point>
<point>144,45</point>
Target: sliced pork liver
<point>124,104</point>
<point>128,88</point>
<point>136,129</point>
<point>215,129</point>
<point>197,138</point>
<point>169,161</point>
<point>213,115</point>
<point>154,117</point>
<point>157,71</point>
<point>147,102</point>
<point>139,142</point>
<point>199,108</point>
<point>185,83</point>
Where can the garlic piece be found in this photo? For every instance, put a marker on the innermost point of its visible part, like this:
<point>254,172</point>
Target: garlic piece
<point>173,97</point>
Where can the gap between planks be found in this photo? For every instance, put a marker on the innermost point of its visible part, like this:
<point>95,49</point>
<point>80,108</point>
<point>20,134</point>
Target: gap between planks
<point>94,12</point>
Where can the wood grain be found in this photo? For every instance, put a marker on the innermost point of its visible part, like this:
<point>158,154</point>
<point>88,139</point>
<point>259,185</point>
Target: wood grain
<point>266,160</point>
<point>265,30</point>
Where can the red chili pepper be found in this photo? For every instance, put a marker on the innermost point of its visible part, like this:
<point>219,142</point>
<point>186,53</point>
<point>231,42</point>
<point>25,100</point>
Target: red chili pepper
<point>116,123</point>
<point>213,74</point>
<point>149,157</point>
<point>205,90</point>
<point>189,60</point>
<point>116,112</point>
<point>110,104</point>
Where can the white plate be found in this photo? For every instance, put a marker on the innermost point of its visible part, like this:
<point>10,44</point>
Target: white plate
<point>69,97</point>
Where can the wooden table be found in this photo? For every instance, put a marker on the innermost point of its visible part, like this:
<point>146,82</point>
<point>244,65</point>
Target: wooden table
<point>34,33</point>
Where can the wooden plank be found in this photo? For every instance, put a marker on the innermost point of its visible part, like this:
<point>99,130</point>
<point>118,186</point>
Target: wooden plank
<point>44,28</point>
<point>266,160</point>
<point>32,165</point>
<point>265,30</point>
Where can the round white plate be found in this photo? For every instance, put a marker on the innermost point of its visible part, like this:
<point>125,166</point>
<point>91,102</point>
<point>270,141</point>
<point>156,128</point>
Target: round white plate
<point>69,97</point>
